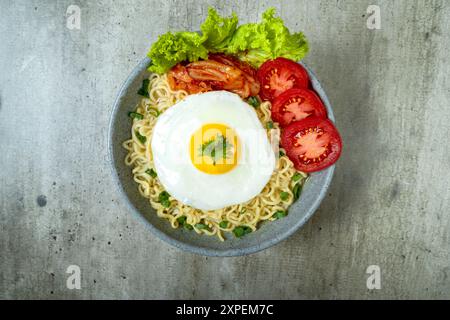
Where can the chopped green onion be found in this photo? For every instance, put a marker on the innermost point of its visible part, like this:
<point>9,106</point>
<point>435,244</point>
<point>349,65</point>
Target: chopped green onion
<point>241,231</point>
<point>297,176</point>
<point>223,224</point>
<point>238,232</point>
<point>165,203</point>
<point>143,91</point>
<point>151,173</point>
<point>140,137</point>
<point>154,112</point>
<point>164,199</point>
<point>281,154</point>
<point>254,102</point>
<point>202,226</point>
<point>297,191</point>
<point>284,196</point>
<point>269,125</point>
<point>136,115</point>
<point>279,214</point>
<point>182,220</point>
<point>164,195</point>
<point>247,230</point>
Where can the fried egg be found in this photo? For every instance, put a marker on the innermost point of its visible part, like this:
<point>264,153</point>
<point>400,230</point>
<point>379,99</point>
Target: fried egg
<point>211,151</point>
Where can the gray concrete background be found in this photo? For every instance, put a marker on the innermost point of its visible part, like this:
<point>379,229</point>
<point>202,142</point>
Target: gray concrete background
<point>388,204</point>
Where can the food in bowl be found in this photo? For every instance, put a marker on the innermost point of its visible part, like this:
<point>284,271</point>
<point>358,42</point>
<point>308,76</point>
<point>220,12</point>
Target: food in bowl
<point>204,147</point>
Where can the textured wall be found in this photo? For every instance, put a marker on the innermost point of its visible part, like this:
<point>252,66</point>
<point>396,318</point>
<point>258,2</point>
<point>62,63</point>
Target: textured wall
<point>389,201</point>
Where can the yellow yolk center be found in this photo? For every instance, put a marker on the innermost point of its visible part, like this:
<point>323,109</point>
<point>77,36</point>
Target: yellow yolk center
<point>214,148</point>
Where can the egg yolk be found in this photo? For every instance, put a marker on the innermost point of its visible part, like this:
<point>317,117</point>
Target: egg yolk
<point>214,148</point>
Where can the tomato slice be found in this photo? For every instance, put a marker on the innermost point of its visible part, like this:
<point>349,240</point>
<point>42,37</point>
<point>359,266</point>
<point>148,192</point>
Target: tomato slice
<point>312,144</point>
<point>277,76</point>
<point>297,104</point>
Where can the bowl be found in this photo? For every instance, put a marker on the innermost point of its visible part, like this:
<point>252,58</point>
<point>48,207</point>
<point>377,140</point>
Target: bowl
<point>266,236</point>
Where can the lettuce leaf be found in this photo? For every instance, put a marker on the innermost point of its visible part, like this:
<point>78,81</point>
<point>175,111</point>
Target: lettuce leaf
<point>256,43</point>
<point>217,31</point>
<point>172,48</point>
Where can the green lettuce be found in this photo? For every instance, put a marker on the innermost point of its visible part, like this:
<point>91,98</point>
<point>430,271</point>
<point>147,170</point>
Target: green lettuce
<point>172,48</point>
<point>217,31</point>
<point>256,43</point>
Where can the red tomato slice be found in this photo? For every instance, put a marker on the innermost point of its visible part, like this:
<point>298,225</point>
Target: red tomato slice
<point>277,76</point>
<point>312,144</point>
<point>297,104</point>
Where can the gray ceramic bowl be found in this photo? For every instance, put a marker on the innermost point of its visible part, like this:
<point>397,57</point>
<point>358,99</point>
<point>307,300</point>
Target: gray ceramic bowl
<point>268,235</point>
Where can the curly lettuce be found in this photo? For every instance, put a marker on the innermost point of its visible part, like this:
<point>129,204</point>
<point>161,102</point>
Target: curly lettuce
<point>254,43</point>
<point>172,48</point>
<point>217,31</point>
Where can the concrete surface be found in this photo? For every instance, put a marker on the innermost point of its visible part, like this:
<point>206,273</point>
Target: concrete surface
<point>388,205</point>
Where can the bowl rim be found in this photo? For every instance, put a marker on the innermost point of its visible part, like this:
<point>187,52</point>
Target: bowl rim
<point>141,67</point>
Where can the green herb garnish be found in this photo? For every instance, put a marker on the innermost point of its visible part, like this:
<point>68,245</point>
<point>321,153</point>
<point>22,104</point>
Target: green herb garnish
<point>279,214</point>
<point>140,137</point>
<point>297,176</point>
<point>151,173</point>
<point>282,154</point>
<point>269,125</point>
<point>241,231</point>
<point>284,196</point>
<point>238,232</point>
<point>254,102</point>
<point>164,199</point>
<point>202,226</point>
<point>136,115</point>
<point>181,220</point>
<point>143,91</point>
<point>164,195</point>
<point>223,224</point>
<point>297,191</point>
<point>165,203</point>
<point>217,148</point>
